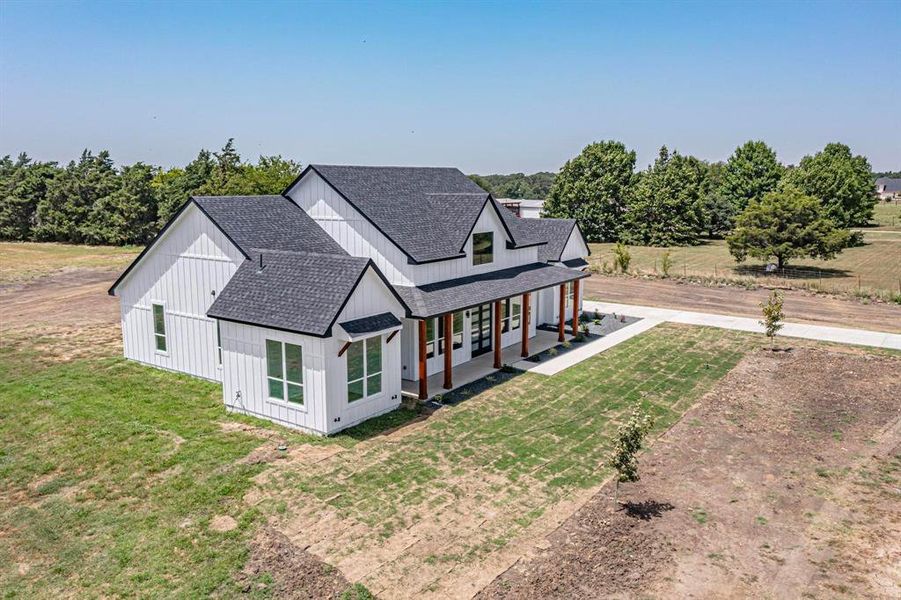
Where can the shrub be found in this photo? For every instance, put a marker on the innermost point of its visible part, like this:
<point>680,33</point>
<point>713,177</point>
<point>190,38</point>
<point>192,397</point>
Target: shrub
<point>621,257</point>
<point>666,263</point>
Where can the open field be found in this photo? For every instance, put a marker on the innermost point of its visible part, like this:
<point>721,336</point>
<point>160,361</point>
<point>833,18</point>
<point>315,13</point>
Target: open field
<point>23,261</point>
<point>119,479</point>
<point>875,266</point>
<point>888,215</point>
<point>801,306</point>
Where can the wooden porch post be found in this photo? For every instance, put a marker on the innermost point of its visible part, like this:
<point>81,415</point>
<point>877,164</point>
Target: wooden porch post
<point>423,373</point>
<point>497,334</point>
<point>576,307</point>
<point>448,351</point>
<point>562,327</point>
<point>524,323</point>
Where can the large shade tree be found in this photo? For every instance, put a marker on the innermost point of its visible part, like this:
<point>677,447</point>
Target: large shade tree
<point>750,172</point>
<point>667,207</point>
<point>784,225</point>
<point>593,188</point>
<point>841,181</point>
<point>23,183</point>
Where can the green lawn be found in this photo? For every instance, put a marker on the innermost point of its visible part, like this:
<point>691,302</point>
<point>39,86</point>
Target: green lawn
<point>112,471</point>
<point>877,263</point>
<point>487,468</point>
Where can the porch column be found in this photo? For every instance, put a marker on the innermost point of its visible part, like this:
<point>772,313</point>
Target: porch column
<point>576,307</point>
<point>448,351</point>
<point>524,323</point>
<point>497,334</point>
<point>562,327</point>
<point>423,373</point>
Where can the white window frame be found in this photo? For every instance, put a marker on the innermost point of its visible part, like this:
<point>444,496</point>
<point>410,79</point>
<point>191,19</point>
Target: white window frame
<point>366,374</point>
<point>487,262</point>
<point>284,376</point>
<point>456,334</point>
<point>508,312</point>
<point>570,293</point>
<point>156,335</point>
<point>219,344</point>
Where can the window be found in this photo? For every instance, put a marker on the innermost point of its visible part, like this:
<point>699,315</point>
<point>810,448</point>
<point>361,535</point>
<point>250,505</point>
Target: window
<point>456,334</point>
<point>219,342</point>
<point>430,338</point>
<point>569,293</point>
<point>159,327</point>
<point>482,248</point>
<point>284,370</point>
<point>364,368</point>
<point>511,314</point>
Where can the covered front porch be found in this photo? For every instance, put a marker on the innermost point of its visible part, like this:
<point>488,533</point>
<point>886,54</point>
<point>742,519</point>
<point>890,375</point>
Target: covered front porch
<point>481,366</point>
<point>498,327</point>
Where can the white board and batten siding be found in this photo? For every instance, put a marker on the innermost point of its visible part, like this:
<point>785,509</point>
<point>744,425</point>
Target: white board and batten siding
<point>353,232</point>
<point>325,408</point>
<point>575,246</point>
<point>181,271</point>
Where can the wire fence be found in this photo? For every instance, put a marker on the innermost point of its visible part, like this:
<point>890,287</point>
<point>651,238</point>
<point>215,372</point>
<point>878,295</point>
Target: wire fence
<point>837,281</point>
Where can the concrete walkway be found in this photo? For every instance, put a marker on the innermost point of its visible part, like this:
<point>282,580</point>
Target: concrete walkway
<point>860,337</point>
<point>554,365</point>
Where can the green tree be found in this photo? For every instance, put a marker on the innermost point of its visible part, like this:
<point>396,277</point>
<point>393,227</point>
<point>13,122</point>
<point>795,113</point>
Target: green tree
<point>629,439</point>
<point>786,224</point>
<point>667,207</point>
<point>841,181</point>
<point>226,170</point>
<point>750,172</point>
<point>593,188</point>
<point>62,213</point>
<point>719,211</point>
<point>23,184</point>
<point>128,214</point>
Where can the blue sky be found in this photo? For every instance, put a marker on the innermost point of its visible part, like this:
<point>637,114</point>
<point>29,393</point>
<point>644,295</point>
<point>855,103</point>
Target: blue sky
<point>489,87</point>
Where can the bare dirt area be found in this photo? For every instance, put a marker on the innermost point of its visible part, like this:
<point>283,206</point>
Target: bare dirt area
<point>784,481</point>
<point>62,316</point>
<point>800,306</point>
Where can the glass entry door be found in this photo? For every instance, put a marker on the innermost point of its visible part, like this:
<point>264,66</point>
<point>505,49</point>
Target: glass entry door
<point>480,329</point>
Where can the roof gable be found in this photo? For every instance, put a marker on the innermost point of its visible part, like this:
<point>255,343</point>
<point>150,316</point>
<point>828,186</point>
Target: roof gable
<point>427,212</point>
<point>298,292</point>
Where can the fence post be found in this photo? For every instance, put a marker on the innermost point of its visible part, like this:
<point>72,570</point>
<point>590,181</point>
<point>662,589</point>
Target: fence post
<point>715,274</point>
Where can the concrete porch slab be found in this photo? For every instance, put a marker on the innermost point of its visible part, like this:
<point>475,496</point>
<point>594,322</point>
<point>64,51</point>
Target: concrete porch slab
<point>482,366</point>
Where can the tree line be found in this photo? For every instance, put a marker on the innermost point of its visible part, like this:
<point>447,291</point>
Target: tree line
<point>92,201</point>
<point>764,209</point>
<point>517,185</point>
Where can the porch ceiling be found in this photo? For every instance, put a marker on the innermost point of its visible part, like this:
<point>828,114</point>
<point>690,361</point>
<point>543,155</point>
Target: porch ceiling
<point>442,297</point>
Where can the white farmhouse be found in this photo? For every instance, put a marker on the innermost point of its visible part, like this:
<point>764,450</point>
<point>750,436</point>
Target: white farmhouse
<point>319,308</point>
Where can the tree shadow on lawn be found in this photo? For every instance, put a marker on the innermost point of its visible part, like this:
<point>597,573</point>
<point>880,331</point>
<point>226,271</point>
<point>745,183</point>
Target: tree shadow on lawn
<point>646,510</point>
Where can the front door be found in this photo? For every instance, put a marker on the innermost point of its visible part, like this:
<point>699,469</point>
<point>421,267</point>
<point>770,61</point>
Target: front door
<point>480,329</point>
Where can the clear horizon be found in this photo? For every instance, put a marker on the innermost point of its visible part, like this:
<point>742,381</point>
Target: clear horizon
<point>487,87</point>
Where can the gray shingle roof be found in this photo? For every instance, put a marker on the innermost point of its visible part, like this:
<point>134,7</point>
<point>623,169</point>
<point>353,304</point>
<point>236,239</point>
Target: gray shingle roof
<point>300,292</point>
<point>553,232</point>
<point>891,184</point>
<point>465,292</point>
<point>427,211</point>
<point>575,263</point>
<point>379,322</point>
<point>267,223</point>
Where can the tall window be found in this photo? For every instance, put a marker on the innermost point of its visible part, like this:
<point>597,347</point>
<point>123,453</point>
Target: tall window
<point>219,342</point>
<point>569,293</point>
<point>482,248</point>
<point>511,314</point>
<point>284,371</point>
<point>456,333</point>
<point>430,338</point>
<point>159,327</point>
<point>364,368</point>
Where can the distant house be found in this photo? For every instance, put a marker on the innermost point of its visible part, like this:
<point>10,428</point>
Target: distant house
<point>888,188</point>
<point>320,307</point>
<point>523,207</point>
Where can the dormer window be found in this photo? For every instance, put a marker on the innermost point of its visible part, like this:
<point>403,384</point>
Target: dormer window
<point>482,248</point>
